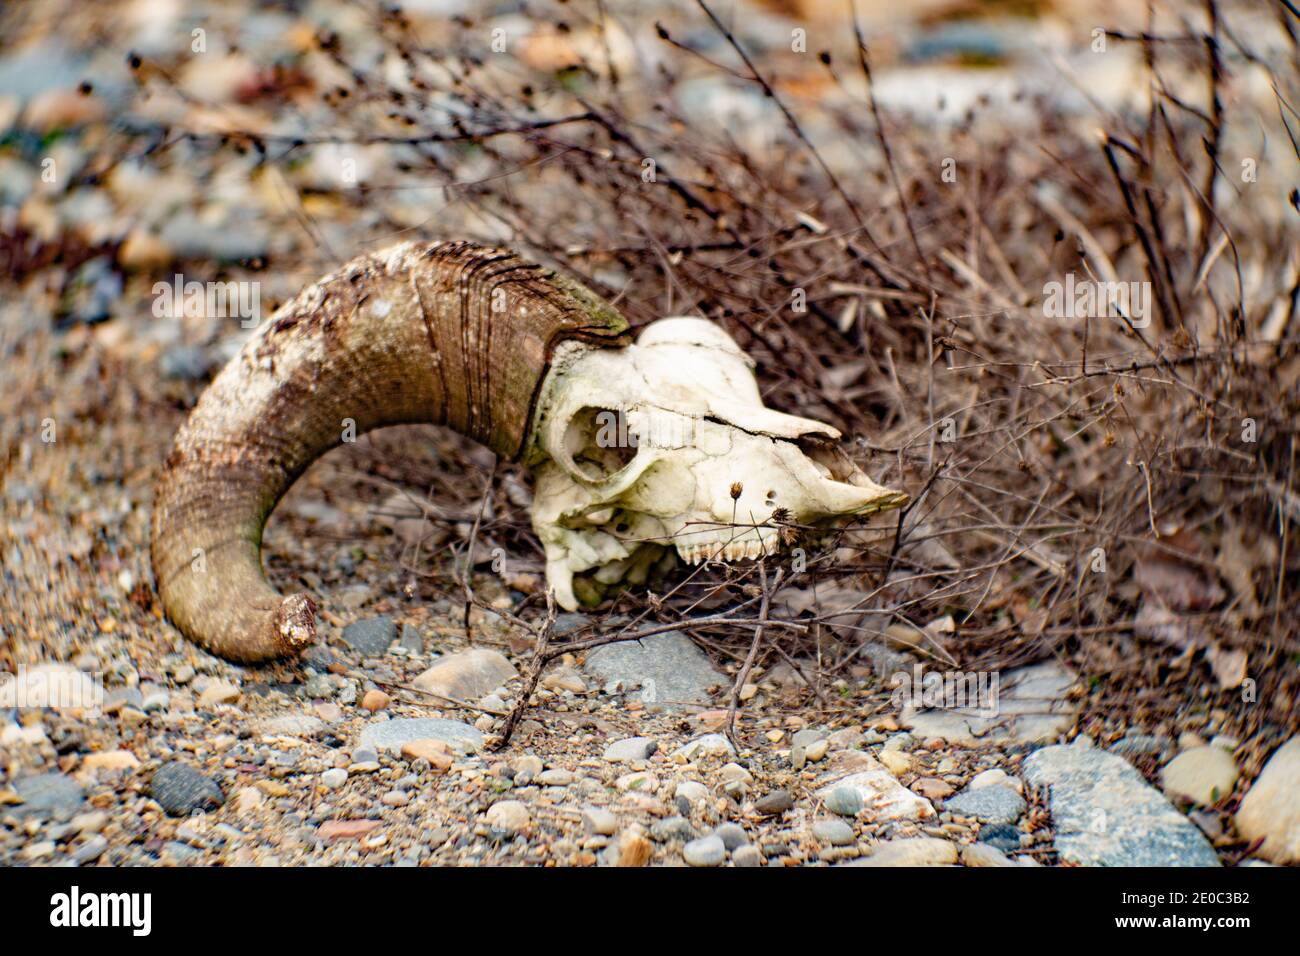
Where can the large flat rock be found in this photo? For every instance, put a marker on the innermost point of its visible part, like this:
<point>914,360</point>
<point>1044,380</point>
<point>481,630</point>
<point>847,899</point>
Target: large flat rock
<point>391,734</point>
<point>1105,814</point>
<point>668,667</point>
<point>467,675</point>
<point>1031,707</point>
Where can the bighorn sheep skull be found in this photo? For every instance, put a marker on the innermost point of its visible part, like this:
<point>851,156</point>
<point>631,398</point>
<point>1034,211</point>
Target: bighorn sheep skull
<point>635,447</point>
<point>667,444</point>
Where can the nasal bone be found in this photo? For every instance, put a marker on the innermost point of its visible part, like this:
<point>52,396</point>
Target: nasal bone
<point>843,498</point>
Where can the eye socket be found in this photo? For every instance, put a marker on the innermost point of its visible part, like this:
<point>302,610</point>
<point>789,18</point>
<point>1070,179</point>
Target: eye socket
<point>829,459</point>
<point>600,442</point>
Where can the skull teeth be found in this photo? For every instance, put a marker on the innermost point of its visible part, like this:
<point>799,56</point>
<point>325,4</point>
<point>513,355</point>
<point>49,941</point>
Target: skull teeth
<point>699,552</point>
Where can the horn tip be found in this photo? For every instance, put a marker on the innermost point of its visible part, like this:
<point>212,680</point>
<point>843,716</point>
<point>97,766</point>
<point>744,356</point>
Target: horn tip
<point>295,623</point>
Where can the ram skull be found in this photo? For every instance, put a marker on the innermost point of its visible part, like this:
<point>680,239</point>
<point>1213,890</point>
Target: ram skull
<point>664,446</point>
<point>524,360</point>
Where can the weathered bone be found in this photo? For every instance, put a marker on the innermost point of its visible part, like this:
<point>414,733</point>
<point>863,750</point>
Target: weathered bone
<point>464,335</point>
<point>451,333</point>
<point>667,443</point>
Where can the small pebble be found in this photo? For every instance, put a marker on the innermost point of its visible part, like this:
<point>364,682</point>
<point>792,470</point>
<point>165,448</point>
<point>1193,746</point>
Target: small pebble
<point>732,835</point>
<point>633,748</point>
<point>671,829</point>
<point>706,851</point>
<point>747,855</point>
<point>598,820</point>
<point>834,832</point>
<point>181,790</point>
<point>778,801</point>
<point>692,791</point>
<point>510,815</point>
<point>334,778</point>
<point>846,801</point>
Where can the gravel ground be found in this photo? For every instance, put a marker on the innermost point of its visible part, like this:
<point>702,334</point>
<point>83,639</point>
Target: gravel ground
<point>189,760</point>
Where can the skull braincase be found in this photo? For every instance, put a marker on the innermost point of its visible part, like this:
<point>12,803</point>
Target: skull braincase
<point>666,445</point>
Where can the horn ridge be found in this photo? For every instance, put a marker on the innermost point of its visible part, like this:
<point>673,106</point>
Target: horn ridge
<point>447,333</point>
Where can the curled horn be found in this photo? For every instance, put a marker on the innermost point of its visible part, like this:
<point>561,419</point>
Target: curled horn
<point>449,333</point>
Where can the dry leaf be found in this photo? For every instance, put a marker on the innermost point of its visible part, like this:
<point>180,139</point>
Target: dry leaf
<point>1156,621</point>
<point>1177,584</point>
<point>1238,560</point>
<point>1229,666</point>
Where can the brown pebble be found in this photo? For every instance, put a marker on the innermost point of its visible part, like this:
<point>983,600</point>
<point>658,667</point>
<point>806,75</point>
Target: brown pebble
<point>435,751</point>
<point>346,829</point>
<point>932,788</point>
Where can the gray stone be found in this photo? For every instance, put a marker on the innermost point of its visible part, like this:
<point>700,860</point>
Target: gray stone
<point>370,637</point>
<point>16,181</point>
<point>411,640</point>
<point>37,67</point>
<point>706,851</point>
<point>180,789</point>
<point>119,697</point>
<point>732,835</point>
<point>670,829</point>
<point>668,667</point>
<point>1138,745</point>
<point>391,734</point>
<point>834,832</point>
<point>334,778</point>
<point>47,794</point>
<point>174,851</point>
<point>1003,836</point>
<point>885,661</point>
<point>846,801</point>
<point>319,686</point>
<point>997,803</point>
<point>1105,814</point>
<point>1031,707</point>
<point>632,748</point>
<point>569,622</point>
<point>318,656</point>
<point>366,753</point>
<point>778,801</point>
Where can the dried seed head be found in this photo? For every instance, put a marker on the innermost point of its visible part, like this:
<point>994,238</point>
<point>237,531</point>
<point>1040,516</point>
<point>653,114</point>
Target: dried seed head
<point>736,489</point>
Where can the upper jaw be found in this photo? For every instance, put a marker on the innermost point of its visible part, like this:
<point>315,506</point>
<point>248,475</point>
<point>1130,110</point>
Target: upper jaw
<point>746,545</point>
